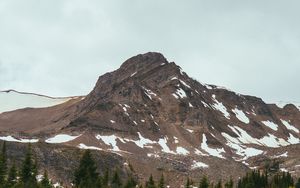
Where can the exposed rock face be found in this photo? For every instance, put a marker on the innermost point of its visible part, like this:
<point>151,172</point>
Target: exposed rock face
<point>149,110</point>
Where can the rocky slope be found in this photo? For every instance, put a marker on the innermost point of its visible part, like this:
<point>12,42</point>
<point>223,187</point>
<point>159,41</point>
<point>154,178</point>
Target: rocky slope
<point>151,112</point>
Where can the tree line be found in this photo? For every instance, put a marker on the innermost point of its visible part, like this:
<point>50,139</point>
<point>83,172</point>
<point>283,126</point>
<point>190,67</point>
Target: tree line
<point>23,177</point>
<point>86,176</point>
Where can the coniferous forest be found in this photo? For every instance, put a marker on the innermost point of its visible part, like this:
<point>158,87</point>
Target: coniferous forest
<point>86,176</point>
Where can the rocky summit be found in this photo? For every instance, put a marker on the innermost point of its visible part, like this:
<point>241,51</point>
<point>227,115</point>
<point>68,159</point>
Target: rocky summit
<point>150,114</point>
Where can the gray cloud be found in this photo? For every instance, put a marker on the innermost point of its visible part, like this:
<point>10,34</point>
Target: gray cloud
<point>60,47</point>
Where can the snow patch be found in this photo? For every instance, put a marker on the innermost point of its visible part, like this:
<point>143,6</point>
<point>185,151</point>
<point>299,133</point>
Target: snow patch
<point>190,130</point>
<point>83,146</point>
<point>289,126</point>
<point>293,140</point>
<point>175,140</point>
<point>208,86</point>
<point>283,170</point>
<point>243,136</point>
<point>182,151</point>
<point>205,104</point>
<point>61,138</point>
<point>153,155</point>
<point>163,144</point>
<point>181,71</point>
<point>12,139</point>
<point>39,177</point>
<point>185,84</point>
<point>219,106</point>
<point>198,152</point>
<point>197,164</point>
<point>211,151</point>
<point>180,93</point>
<point>285,154</point>
<point>271,125</point>
<point>124,107</point>
<point>149,93</point>
<point>241,115</point>
<point>240,149</point>
<point>142,142</point>
<point>133,74</point>
<point>271,141</point>
<point>111,141</point>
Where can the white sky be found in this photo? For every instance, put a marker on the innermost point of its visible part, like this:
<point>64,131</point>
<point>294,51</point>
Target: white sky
<point>60,47</point>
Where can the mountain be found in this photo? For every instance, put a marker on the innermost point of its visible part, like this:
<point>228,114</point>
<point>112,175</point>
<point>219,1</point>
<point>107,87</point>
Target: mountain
<point>151,112</point>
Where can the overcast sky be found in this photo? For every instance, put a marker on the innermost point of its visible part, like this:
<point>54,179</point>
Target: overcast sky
<point>60,47</point>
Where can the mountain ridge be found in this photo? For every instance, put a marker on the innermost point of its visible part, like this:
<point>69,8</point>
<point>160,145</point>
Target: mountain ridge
<point>149,110</point>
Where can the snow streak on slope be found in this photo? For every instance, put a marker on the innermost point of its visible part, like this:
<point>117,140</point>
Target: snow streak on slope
<point>197,164</point>
<point>12,139</point>
<point>12,100</point>
<point>269,140</point>
<point>289,126</point>
<point>219,106</point>
<point>241,115</point>
<point>271,125</point>
<point>240,149</point>
<point>211,151</point>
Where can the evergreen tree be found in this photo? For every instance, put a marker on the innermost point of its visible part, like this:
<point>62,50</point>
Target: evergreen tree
<point>188,183</point>
<point>219,184</point>
<point>86,175</point>
<point>3,165</point>
<point>229,184</point>
<point>105,178</point>
<point>131,183</point>
<point>150,183</point>
<point>204,182</point>
<point>297,185</point>
<point>116,180</point>
<point>12,176</point>
<point>28,175</point>
<point>240,185</point>
<point>45,183</point>
<point>161,183</point>
<point>282,179</point>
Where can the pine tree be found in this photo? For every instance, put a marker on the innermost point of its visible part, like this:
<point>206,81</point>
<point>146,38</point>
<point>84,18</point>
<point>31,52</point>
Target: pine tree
<point>188,183</point>
<point>150,183</point>
<point>116,180</point>
<point>229,184</point>
<point>204,182</point>
<point>86,175</point>
<point>3,165</point>
<point>219,184</point>
<point>45,183</point>
<point>161,183</point>
<point>105,178</point>
<point>131,183</point>
<point>297,185</point>
<point>12,176</point>
<point>28,171</point>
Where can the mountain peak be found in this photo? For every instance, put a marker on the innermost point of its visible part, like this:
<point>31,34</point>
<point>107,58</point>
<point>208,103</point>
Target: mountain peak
<point>144,60</point>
